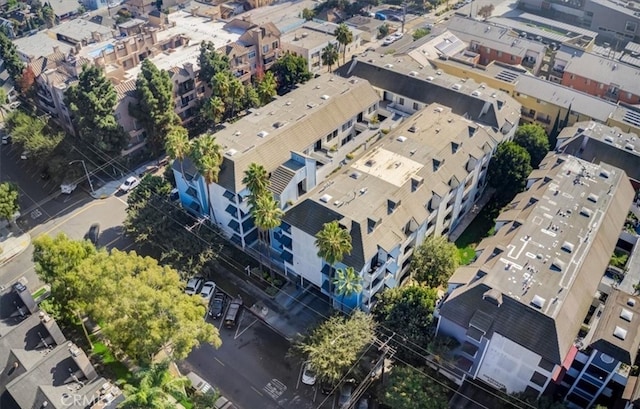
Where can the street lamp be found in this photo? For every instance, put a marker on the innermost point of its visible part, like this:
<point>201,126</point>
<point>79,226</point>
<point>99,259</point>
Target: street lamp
<point>85,171</point>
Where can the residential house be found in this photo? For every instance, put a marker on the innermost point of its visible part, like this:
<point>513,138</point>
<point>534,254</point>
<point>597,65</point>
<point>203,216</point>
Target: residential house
<point>40,367</point>
<point>255,51</point>
<point>601,143</point>
<point>370,27</point>
<point>309,40</point>
<point>518,308</point>
<point>417,181</point>
<point>65,9</point>
<point>492,42</point>
<point>596,75</point>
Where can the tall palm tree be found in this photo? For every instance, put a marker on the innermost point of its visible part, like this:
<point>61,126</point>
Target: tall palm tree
<point>267,215</point>
<point>178,145</point>
<point>256,179</point>
<point>267,88</point>
<point>329,55</point>
<point>236,92</point>
<point>333,243</point>
<point>155,385</point>
<point>206,154</point>
<point>214,110</point>
<point>344,37</point>
<point>346,283</point>
<point>220,84</point>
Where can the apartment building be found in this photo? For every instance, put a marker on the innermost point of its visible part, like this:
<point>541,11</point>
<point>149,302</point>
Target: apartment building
<point>255,51</point>
<point>491,42</point>
<point>299,138</point>
<point>312,37</point>
<point>40,367</point>
<point>419,180</point>
<point>596,75</point>
<point>614,21</point>
<point>517,310</point>
<point>601,143</point>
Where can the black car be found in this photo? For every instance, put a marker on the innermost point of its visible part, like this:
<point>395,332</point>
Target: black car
<point>94,232</point>
<point>216,306</point>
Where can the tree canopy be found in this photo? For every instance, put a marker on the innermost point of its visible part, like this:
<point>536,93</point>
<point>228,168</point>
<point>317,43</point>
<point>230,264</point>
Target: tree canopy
<point>345,37</point>
<point>535,140</point>
<point>333,242</point>
<point>290,70</point>
<point>153,388</point>
<point>408,311</point>
<point>152,305</point>
<point>155,107</point>
<point>508,170</point>
<point>410,388</point>
<point>9,204</point>
<point>10,56</point>
<point>434,261</point>
<point>92,102</point>
<point>33,134</point>
<point>211,62</point>
<point>335,345</point>
<point>329,55</point>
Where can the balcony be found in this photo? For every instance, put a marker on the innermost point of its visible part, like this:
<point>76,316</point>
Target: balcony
<point>528,113</point>
<point>373,288</point>
<point>545,119</point>
<point>376,271</point>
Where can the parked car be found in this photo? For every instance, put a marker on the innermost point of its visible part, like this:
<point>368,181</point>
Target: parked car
<point>308,375</point>
<point>207,290</point>
<point>216,306</point>
<point>232,312</point>
<point>6,139</point>
<point>129,184</point>
<point>94,233</point>
<point>326,388</point>
<point>397,35</point>
<point>388,40</point>
<point>68,187</point>
<point>193,285</point>
<point>346,390</point>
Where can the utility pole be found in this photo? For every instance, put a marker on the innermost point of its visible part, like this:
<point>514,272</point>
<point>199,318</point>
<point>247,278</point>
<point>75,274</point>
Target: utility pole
<point>404,14</point>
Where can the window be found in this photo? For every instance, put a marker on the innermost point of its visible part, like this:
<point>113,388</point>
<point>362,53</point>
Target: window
<point>538,379</point>
<point>572,76</point>
<point>265,48</point>
<point>488,49</point>
<point>416,106</point>
<point>513,58</point>
<point>401,101</point>
<point>274,45</point>
<point>252,54</point>
<point>630,26</point>
<point>499,53</point>
<point>546,365</point>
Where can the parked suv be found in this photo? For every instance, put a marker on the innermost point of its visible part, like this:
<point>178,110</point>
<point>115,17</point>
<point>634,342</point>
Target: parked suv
<point>216,306</point>
<point>193,286</point>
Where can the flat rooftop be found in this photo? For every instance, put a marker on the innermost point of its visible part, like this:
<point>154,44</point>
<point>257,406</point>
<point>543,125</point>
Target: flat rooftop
<point>80,29</point>
<point>306,38</point>
<point>197,29</point>
<point>544,27</point>
<point>539,265</point>
<point>40,45</point>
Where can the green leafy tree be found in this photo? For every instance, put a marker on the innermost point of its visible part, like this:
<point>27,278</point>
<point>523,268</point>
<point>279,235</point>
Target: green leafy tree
<point>33,135</point>
<point>335,345</point>
<point>345,37</point>
<point>48,16</point>
<point>434,261</point>
<point>9,204</point>
<point>154,387</point>
<point>408,311</point>
<point>420,32</point>
<point>157,313</point>
<point>333,242</point>
<point>346,283</point>
<point>308,14</point>
<point>508,171</point>
<point>158,224</point>
<point>211,62</point>
<point>383,30</point>
<point>291,70</point>
<point>329,55</point>
<point>486,11</point>
<point>534,139</point>
<point>409,388</point>
<point>256,179</point>
<point>10,56</point>
<point>155,107</point>
<point>267,88</point>
<point>178,145</point>
<point>92,102</point>
<point>206,154</point>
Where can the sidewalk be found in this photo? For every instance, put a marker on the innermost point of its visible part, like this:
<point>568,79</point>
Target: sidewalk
<point>13,241</point>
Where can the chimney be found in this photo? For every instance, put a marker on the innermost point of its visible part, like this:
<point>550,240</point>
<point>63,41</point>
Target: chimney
<point>80,358</point>
<point>56,49</point>
<point>52,328</point>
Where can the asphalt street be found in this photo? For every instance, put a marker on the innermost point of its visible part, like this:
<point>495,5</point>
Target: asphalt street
<point>252,368</point>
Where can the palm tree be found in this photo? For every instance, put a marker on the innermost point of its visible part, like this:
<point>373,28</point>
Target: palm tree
<point>220,85</point>
<point>344,37</point>
<point>178,145</point>
<point>329,55</point>
<point>214,110</point>
<point>267,215</point>
<point>256,179</point>
<point>206,154</point>
<point>236,92</point>
<point>333,243</point>
<point>267,88</point>
<point>155,385</point>
<point>346,283</point>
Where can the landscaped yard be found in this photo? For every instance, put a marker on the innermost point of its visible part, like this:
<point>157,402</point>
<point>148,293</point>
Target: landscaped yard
<point>480,227</point>
<point>112,367</point>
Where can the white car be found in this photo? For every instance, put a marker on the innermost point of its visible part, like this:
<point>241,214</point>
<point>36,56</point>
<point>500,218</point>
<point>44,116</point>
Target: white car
<point>388,40</point>
<point>193,286</point>
<point>308,375</point>
<point>129,184</point>
<point>397,35</point>
<point>207,291</point>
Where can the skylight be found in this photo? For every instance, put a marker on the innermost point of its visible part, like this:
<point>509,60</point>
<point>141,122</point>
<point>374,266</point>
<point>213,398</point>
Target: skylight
<point>538,301</point>
<point>626,315</point>
<point>620,333</point>
<point>325,198</point>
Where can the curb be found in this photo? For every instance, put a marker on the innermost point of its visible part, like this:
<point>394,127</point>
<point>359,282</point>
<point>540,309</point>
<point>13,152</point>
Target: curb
<point>4,261</point>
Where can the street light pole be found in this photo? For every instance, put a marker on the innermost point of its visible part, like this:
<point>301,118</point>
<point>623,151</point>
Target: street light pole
<point>86,173</point>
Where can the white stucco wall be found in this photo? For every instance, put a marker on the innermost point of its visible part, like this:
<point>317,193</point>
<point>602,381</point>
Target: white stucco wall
<point>305,258</point>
